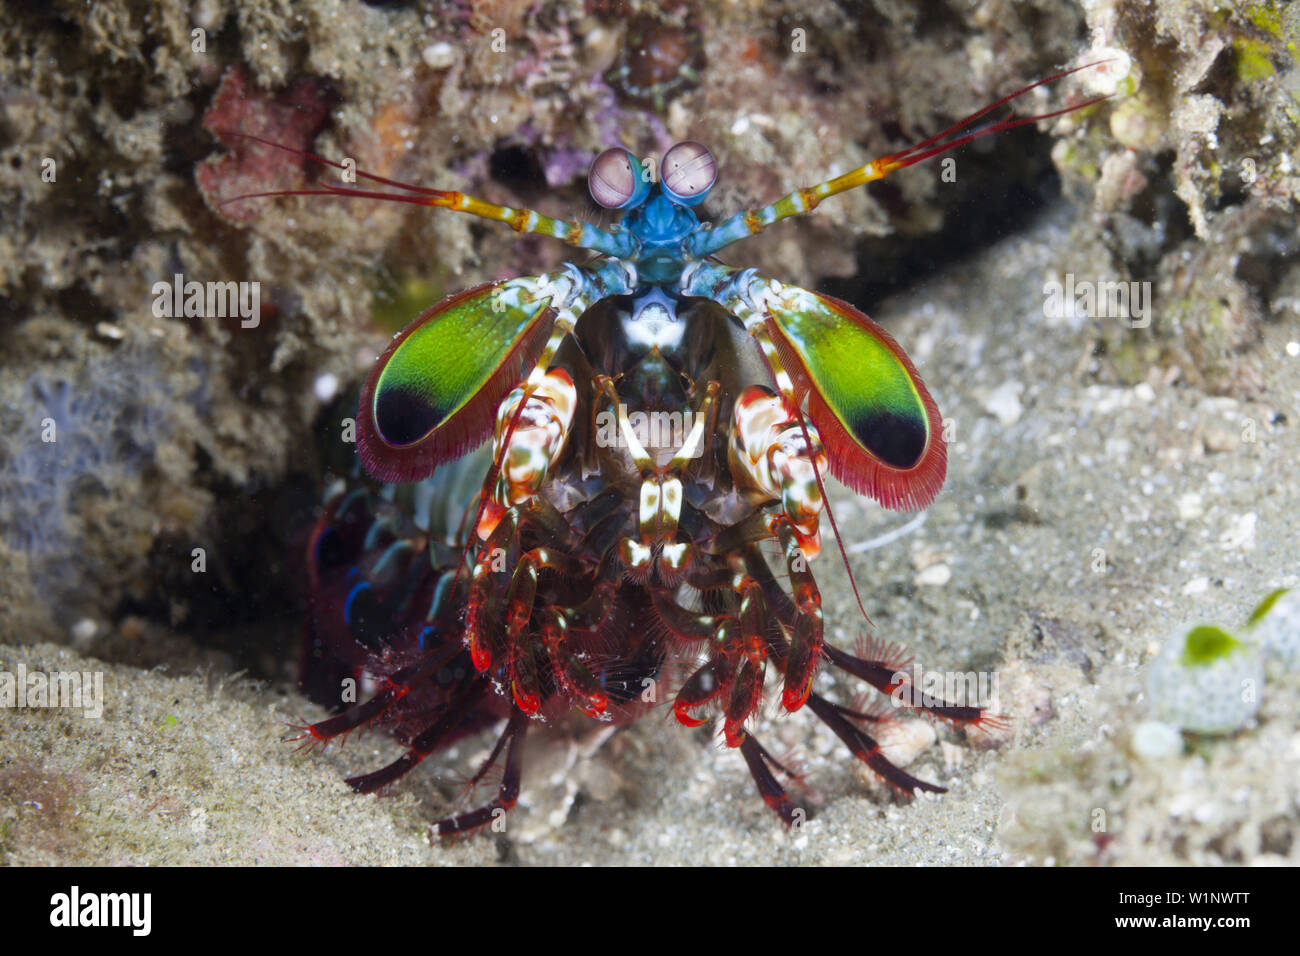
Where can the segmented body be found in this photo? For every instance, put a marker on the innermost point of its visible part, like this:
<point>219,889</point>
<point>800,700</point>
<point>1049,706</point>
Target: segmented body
<point>644,532</point>
<point>613,611</point>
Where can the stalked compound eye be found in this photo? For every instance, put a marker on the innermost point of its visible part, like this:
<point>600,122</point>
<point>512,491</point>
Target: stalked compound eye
<point>688,172</point>
<point>618,180</point>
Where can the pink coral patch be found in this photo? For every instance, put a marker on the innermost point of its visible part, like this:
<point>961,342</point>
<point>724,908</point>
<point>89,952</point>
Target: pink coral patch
<point>292,116</point>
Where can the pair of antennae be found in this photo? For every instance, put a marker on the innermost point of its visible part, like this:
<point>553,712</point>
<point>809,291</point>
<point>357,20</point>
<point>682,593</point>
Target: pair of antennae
<point>618,242</point>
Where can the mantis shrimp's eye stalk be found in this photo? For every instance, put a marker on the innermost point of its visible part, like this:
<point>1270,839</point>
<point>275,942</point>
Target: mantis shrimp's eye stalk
<point>688,173</point>
<point>618,180</point>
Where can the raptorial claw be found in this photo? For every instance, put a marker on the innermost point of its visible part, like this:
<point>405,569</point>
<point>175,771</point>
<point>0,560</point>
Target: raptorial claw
<point>539,434</point>
<point>769,455</point>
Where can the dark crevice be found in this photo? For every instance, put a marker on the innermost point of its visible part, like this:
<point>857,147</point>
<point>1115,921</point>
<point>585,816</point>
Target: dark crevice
<point>998,192</point>
<point>519,170</point>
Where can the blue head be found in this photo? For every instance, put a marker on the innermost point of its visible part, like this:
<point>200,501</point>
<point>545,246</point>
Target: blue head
<point>659,214</point>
